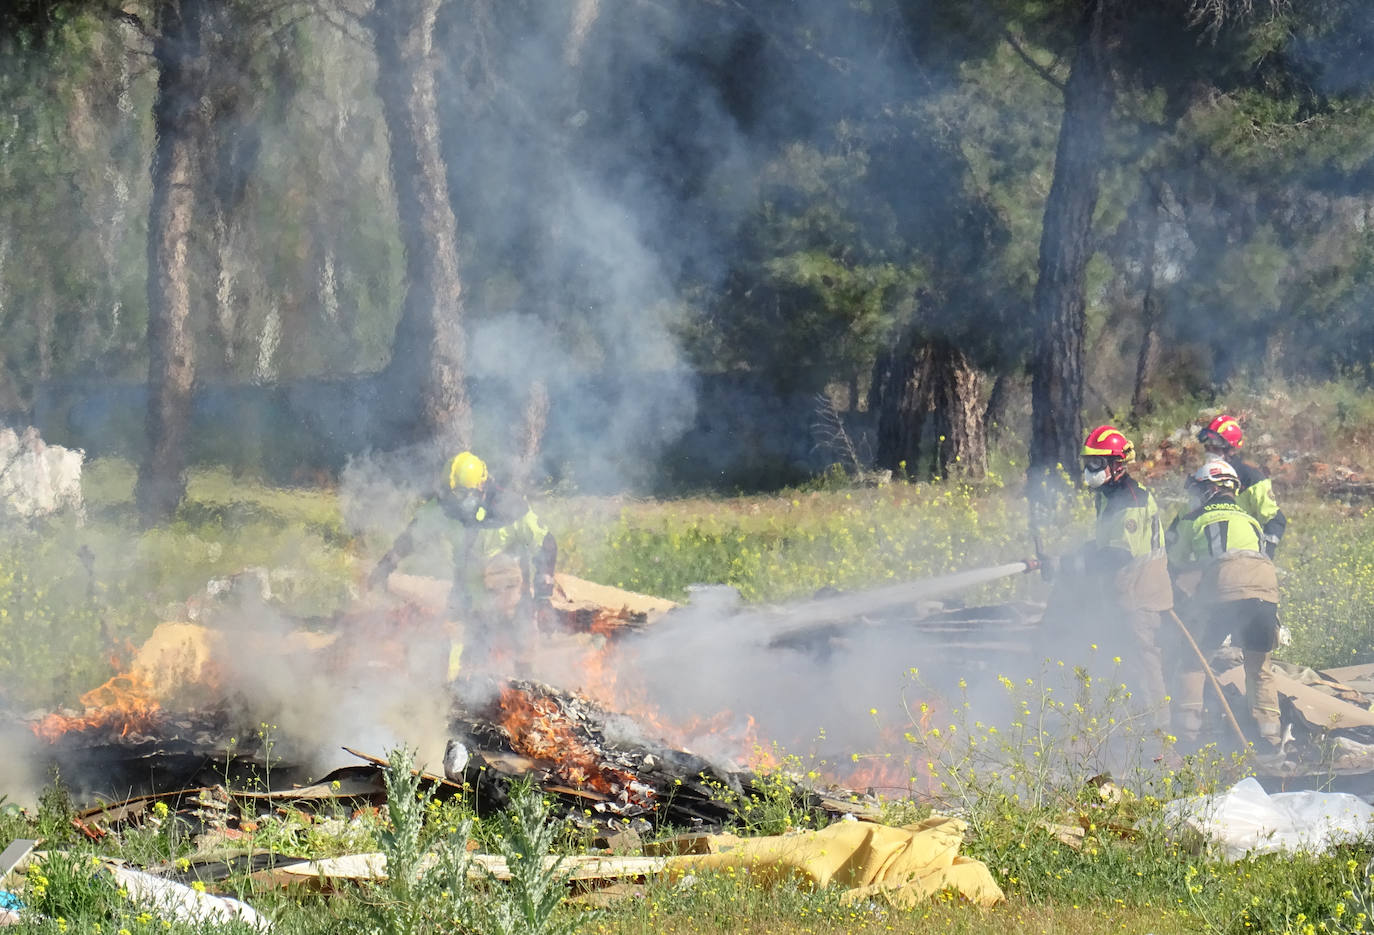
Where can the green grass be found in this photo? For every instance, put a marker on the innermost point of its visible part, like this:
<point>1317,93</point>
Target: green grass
<point>75,597</point>
<point>1328,583</point>
<point>793,544</point>
<point>61,624</point>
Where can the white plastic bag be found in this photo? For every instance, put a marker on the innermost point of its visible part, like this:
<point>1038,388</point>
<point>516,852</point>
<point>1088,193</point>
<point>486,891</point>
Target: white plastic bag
<point>1247,820</point>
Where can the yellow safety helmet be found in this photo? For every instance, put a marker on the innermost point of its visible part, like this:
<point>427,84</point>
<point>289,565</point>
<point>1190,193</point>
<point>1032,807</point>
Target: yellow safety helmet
<point>467,470</point>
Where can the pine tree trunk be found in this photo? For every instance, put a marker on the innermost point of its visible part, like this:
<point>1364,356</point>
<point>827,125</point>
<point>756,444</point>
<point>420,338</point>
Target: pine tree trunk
<point>956,393</point>
<point>901,395</point>
<point>217,361</point>
<point>180,133</point>
<point>426,373</point>
<point>1065,249</point>
<point>995,412</point>
<point>1149,320</point>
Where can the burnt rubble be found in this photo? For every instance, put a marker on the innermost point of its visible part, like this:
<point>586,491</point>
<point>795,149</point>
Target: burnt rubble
<point>602,767</point>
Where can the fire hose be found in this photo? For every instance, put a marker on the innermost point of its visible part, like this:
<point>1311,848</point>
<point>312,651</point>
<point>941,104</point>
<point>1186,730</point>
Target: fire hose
<point>823,610</point>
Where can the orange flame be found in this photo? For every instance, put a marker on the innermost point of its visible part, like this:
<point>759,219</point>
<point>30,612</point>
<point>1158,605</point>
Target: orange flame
<point>884,773</point>
<point>124,702</point>
<point>603,681</point>
<point>538,728</point>
<point>896,768</point>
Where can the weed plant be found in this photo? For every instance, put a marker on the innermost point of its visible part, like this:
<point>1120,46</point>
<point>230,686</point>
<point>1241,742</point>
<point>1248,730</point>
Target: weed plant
<point>538,879</point>
<point>1327,585</point>
<point>1057,796</point>
<point>429,886</point>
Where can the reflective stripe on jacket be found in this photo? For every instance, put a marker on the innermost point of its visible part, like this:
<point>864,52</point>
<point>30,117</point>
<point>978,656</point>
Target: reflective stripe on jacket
<point>1227,544</point>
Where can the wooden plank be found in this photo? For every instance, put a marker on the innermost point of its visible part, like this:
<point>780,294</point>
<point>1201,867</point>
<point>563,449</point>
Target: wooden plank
<point>583,866</point>
<point>573,594</point>
<point>1350,673</point>
<point>577,867</point>
<point>119,811</point>
<point>344,783</point>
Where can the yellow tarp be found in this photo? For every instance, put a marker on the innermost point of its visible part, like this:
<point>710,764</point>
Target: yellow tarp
<point>902,865</point>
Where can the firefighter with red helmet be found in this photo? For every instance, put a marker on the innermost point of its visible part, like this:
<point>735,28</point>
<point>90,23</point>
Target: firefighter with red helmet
<point>1126,561</point>
<point>1219,551</point>
<point>1223,438</point>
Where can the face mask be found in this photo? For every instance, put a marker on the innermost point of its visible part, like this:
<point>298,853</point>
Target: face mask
<point>466,508</point>
<point>1094,479</point>
<point>471,507</point>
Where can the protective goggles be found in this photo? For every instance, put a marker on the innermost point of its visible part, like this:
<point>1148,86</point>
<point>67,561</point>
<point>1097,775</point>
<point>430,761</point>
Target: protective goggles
<point>1096,463</point>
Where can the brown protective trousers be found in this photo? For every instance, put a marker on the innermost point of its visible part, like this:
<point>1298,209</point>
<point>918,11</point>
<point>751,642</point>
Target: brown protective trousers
<point>1130,628</point>
<point>1143,592</point>
<point>1252,625</point>
<point>1144,629</point>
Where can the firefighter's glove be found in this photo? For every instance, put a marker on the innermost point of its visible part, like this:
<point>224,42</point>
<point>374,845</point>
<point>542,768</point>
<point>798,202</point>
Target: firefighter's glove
<point>1271,545</point>
<point>1049,567</point>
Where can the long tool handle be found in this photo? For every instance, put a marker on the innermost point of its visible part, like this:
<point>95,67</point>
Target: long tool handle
<point>1212,677</point>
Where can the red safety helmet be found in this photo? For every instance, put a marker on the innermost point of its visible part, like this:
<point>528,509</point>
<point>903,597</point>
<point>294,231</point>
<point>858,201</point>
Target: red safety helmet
<point>1105,453</point>
<point>1108,442</point>
<point>1223,430</point>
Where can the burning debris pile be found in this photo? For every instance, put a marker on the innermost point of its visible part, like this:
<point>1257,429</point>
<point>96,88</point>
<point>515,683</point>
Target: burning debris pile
<point>183,717</point>
<point>606,768</point>
<point>180,717</point>
<point>124,704</point>
<point>601,765</point>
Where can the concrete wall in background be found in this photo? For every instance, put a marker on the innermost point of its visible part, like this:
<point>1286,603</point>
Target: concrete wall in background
<point>647,433</point>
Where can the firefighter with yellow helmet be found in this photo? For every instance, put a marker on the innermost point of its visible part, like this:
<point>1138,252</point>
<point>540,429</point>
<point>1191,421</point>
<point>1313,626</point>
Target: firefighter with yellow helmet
<point>1219,549</point>
<point>503,561</point>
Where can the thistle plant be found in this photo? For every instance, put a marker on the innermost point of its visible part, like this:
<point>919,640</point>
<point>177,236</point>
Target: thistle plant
<point>538,884</point>
<point>401,842</point>
<point>422,886</point>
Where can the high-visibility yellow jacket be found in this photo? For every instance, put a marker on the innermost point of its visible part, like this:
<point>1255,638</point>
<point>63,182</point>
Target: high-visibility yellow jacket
<point>500,524</point>
<point>1129,544</point>
<point>1227,544</point>
<point>1128,519</point>
<point>503,524</point>
<point>1256,497</point>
